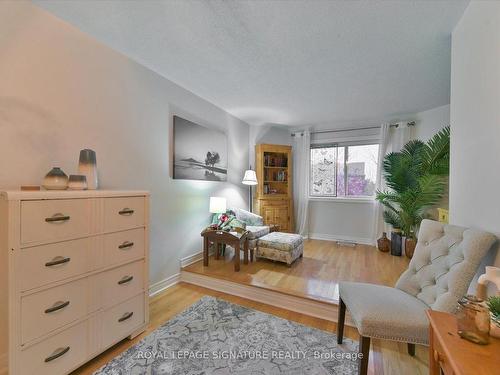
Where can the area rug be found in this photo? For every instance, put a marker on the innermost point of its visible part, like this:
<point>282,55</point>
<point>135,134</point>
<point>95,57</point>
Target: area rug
<point>215,337</point>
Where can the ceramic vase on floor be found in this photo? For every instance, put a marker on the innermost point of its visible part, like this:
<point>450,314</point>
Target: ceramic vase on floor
<point>396,243</point>
<point>410,244</point>
<point>88,168</point>
<point>383,243</point>
<point>56,179</point>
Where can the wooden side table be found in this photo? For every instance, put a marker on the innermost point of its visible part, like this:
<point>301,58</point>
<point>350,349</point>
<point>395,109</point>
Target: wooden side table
<point>233,239</point>
<point>452,354</point>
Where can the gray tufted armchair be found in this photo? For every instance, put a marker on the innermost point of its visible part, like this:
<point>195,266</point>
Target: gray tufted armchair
<point>444,263</point>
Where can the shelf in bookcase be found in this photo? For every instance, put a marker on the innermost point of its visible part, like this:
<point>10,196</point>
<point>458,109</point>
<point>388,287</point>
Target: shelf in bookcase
<point>271,181</point>
<point>271,167</point>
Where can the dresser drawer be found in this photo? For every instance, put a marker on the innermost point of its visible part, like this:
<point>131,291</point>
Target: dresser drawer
<point>122,246</point>
<point>50,309</point>
<point>52,220</point>
<point>440,357</point>
<point>123,213</point>
<point>44,264</point>
<point>121,283</point>
<point>121,320</point>
<point>58,354</point>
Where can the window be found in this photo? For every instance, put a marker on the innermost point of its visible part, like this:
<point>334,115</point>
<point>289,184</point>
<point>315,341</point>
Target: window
<point>343,170</point>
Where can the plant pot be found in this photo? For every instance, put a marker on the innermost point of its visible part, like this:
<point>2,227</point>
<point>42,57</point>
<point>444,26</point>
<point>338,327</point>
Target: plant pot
<point>410,244</point>
<point>396,243</point>
<point>383,243</point>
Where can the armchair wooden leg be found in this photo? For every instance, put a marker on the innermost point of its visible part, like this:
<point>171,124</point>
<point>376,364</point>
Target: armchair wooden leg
<point>341,322</point>
<point>364,349</point>
<point>411,349</point>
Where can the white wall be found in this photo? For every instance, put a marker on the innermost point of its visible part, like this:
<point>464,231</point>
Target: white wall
<point>267,134</point>
<point>341,220</point>
<point>61,91</point>
<point>430,122</point>
<point>475,119</point>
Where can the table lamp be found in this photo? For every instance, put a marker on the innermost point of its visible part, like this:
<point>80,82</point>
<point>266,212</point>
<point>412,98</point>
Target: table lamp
<point>250,179</point>
<point>218,206</point>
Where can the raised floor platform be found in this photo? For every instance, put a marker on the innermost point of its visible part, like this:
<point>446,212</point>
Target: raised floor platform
<point>309,286</point>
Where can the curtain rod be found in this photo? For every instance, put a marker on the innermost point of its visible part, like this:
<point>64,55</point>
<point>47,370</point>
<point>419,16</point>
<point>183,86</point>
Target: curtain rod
<point>410,123</point>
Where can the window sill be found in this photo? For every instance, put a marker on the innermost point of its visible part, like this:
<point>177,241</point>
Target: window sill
<point>342,199</point>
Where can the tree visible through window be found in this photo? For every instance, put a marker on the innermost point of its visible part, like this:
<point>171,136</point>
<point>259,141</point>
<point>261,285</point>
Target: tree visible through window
<point>343,171</point>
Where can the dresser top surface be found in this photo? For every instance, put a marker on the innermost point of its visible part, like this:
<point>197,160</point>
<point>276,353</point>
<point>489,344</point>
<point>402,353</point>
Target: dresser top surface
<point>68,194</point>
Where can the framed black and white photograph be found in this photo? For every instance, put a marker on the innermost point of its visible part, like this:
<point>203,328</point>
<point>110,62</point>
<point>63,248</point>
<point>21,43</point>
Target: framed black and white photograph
<point>200,153</point>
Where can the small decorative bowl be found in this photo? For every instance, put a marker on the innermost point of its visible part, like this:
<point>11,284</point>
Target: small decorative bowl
<point>77,182</point>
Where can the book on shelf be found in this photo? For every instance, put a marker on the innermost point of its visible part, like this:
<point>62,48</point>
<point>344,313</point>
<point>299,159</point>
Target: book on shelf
<point>275,161</point>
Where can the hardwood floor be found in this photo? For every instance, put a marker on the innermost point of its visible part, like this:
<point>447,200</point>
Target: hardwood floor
<point>316,274</point>
<point>385,357</point>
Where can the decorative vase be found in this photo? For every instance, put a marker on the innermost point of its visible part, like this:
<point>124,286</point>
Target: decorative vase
<point>383,243</point>
<point>88,167</point>
<point>495,327</point>
<point>77,182</point>
<point>56,179</point>
<point>473,320</point>
<point>396,243</point>
<point>410,244</point>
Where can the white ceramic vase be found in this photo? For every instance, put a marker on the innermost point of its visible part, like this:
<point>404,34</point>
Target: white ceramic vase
<point>56,179</point>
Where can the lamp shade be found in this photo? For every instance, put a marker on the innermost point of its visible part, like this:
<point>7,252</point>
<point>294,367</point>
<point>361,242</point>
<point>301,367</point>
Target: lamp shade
<point>217,205</point>
<point>250,178</point>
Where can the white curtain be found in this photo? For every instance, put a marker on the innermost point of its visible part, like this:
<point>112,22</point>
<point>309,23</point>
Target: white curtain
<point>378,219</point>
<point>301,155</point>
<point>399,136</point>
<point>391,140</point>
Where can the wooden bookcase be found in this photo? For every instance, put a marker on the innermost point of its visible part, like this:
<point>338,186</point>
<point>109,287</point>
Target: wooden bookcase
<point>273,199</point>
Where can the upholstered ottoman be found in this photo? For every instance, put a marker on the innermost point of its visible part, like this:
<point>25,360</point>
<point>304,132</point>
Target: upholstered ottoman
<point>282,247</point>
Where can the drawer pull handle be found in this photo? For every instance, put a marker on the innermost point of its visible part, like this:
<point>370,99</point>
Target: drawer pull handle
<point>125,317</point>
<point>57,218</point>
<point>125,279</point>
<point>57,260</point>
<point>57,353</point>
<point>57,306</point>
<point>126,245</point>
<point>438,357</point>
<point>126,211</point>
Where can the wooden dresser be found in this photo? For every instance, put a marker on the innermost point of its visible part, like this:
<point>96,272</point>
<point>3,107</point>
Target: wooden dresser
<point>273,200</point>
<point>449,354</point>
<point>73,276</point>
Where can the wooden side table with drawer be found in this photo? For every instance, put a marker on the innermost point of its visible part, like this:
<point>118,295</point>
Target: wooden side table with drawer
<point>451,354</point>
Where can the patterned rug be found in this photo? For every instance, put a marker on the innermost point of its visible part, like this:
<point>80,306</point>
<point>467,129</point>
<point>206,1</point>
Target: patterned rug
<point>220,338</point>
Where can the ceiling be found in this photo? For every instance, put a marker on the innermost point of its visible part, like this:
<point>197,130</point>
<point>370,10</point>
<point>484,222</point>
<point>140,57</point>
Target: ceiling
<point>286,62</point>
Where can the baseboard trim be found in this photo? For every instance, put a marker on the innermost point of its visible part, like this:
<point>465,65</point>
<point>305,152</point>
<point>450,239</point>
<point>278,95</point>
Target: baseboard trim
<point>297,304</point>
<point>161,285</point>
<point>333,237</point>
<point>190,259</point>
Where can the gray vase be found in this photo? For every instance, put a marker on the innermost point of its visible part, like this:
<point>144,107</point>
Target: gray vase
<point>56,179</point>
<point>88,168</point>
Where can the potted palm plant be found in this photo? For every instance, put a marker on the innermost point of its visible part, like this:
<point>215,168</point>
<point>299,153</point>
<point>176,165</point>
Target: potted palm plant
<point>416,179</point>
